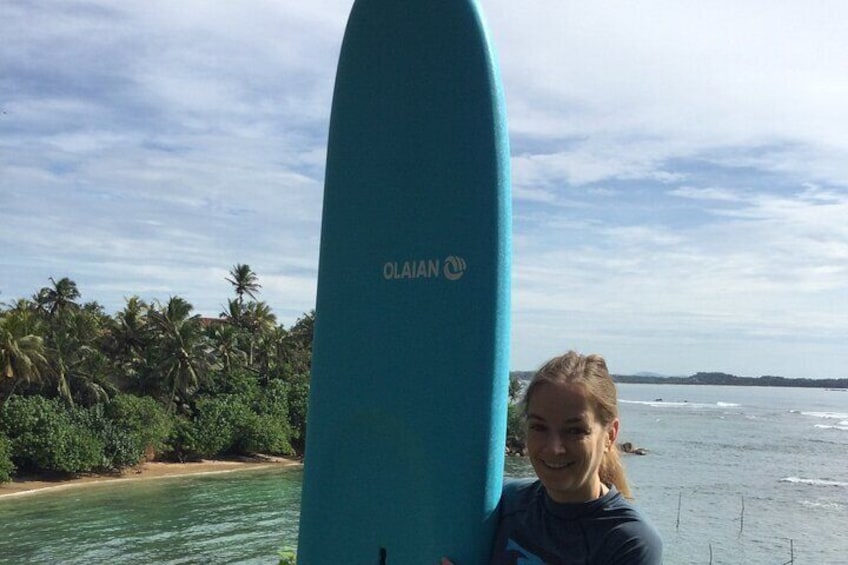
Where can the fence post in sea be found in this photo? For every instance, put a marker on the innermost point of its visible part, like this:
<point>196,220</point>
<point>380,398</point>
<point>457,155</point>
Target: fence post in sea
<point>711,554</point>
<point>791,552</point>
<point>742,516</point>
<point>679,499</point>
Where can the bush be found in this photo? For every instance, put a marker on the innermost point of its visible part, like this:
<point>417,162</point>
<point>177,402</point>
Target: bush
<point>515,436</point>
<point>142,418</point>
<point>121,447</point>
<point>182,441</point>
<point>7,468</point>
<point>263,433</point>
<point>48,437</point>
<point>212,431</point>
<point>235,424</point>
<point>297,397</point>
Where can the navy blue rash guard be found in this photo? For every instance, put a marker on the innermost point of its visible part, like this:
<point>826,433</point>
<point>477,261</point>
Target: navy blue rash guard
<point>535,530</point>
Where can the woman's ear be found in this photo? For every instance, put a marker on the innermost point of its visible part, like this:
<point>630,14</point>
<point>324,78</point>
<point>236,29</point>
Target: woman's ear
<point>612,433</point>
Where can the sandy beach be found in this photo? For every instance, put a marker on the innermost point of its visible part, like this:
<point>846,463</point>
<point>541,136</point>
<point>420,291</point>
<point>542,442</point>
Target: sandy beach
<point>146,471</point>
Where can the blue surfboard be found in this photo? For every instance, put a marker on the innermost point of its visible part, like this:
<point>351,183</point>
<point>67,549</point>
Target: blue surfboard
<point>407,407</point>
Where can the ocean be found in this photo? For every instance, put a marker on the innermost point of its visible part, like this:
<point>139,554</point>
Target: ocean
<point>733,475</point>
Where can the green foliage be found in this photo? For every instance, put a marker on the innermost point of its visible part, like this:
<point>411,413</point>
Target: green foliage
<point>267,428</point>
<point>182,441</point>
<point>7,468</point>
<point>84,391</point>
<point>298,397</point>
<point>120,446</point>
<point>288,556</point>
<point>235,424</point>
<point>47,436</point>
<point>143,418</point>
<point>212,431</point>
<point>515,436</point>
<point>263,433</point>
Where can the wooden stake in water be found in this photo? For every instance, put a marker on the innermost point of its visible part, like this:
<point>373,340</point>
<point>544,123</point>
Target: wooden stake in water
<point>679,500</point>
<point>791,552</point>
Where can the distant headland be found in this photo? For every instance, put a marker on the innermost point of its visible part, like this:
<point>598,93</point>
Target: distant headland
<point>718,379</point>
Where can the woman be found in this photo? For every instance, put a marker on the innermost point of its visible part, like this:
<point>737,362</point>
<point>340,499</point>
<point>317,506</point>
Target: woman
<point>576,512</point>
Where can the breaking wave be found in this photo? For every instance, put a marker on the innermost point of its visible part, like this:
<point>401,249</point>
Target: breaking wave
<point>680,404</point>
<point>814,482</point>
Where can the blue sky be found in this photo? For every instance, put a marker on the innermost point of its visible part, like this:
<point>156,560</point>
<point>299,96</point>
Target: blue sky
<point>680,170</point>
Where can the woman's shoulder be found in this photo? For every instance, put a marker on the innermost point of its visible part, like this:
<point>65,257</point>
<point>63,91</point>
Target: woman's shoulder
<point>626,531</point>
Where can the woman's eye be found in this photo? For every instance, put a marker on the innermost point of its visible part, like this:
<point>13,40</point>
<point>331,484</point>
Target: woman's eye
<point>536,428</point>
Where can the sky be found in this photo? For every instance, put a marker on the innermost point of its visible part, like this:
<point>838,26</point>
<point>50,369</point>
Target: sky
<point>679,169</point>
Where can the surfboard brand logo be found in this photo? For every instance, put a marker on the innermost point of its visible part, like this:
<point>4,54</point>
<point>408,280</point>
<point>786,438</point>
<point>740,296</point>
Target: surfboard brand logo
<point>452,268</point>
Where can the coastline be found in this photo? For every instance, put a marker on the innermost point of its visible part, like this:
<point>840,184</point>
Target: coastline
<point>150,470</point>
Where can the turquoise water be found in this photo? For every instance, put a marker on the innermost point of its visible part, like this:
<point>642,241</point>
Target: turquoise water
<point>241,517</point>
<point>783,453</point>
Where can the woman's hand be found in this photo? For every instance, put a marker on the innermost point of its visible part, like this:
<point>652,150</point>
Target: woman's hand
<point>446,561</point>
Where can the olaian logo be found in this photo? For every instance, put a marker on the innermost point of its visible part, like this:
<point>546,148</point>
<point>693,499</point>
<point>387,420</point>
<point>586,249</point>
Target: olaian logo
<point>452,269</point>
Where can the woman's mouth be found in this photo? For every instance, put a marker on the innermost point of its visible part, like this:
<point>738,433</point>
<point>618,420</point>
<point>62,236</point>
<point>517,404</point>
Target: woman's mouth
<point>556,466</point>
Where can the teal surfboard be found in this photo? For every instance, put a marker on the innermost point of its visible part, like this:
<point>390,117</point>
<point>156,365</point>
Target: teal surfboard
<point>407,407</point>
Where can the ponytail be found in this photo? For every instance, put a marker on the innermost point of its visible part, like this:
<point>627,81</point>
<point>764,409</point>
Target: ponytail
<point>612,471</point>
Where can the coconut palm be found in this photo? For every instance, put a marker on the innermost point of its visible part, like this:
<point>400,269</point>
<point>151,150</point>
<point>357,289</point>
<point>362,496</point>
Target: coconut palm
<point>79,367</point>
<point>245,281</point>
<point>129,340</point>
<point>22,354</point>
<point>182,353</point>
<point>60,296</point>
<point>226,341</point>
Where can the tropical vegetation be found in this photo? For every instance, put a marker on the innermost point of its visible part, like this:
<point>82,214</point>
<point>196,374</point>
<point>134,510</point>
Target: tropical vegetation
<point>85,391</point>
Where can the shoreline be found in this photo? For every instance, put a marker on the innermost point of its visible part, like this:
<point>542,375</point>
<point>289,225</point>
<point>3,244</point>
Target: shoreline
<point>147,471</point>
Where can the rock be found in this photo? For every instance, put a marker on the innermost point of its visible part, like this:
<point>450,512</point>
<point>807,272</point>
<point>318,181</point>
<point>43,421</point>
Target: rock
<point>628,447</point>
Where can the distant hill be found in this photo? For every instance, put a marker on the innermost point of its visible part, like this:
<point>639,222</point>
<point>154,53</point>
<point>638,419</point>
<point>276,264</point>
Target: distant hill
<point>715,379</point>
<point>733,380</point>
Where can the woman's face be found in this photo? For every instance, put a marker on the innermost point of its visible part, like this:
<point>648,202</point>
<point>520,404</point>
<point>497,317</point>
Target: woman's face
<point>565,441</point>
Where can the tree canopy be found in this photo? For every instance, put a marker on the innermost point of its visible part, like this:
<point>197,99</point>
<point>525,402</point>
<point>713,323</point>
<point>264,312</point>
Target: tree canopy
<point>153,380</point>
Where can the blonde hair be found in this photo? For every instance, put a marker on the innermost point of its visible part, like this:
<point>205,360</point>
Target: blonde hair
<point>590,372</point>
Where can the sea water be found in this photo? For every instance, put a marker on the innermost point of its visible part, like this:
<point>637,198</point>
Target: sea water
<point>733,475</point>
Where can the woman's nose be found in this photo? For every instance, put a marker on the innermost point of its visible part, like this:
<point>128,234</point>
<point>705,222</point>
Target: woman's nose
<point>556,444</point>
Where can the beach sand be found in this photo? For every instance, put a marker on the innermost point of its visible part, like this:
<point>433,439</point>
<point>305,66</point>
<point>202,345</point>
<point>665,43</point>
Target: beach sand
<point>146,471</point>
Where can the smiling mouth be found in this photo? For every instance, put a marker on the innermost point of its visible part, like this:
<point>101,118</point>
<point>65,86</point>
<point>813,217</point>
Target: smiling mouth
<point>556,466</point>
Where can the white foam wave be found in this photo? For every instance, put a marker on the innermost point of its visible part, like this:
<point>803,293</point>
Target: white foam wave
<point>824,505</point>
<point>843,426</point>
<point>678,404</point>
<point>826,415</point>
<point>814,482</point>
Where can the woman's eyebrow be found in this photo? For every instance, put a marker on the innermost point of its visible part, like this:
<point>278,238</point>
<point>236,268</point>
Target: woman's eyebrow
<point>574,420</point>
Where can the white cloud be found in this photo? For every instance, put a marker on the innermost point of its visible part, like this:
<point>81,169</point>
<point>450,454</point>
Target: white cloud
<point>680,171</point>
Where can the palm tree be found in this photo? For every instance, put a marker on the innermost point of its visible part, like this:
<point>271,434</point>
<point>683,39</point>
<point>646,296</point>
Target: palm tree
<point>182,354</point>
<point>235,313</point>
<point>129,339</point>
<point>245,281</point>
<point>297,346</point>
<point>268,350</point>
<point>226,342</point>
<point>258,320</point>
<point>22,354</point>
<point>61,296</point>
<point>79,366</point>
